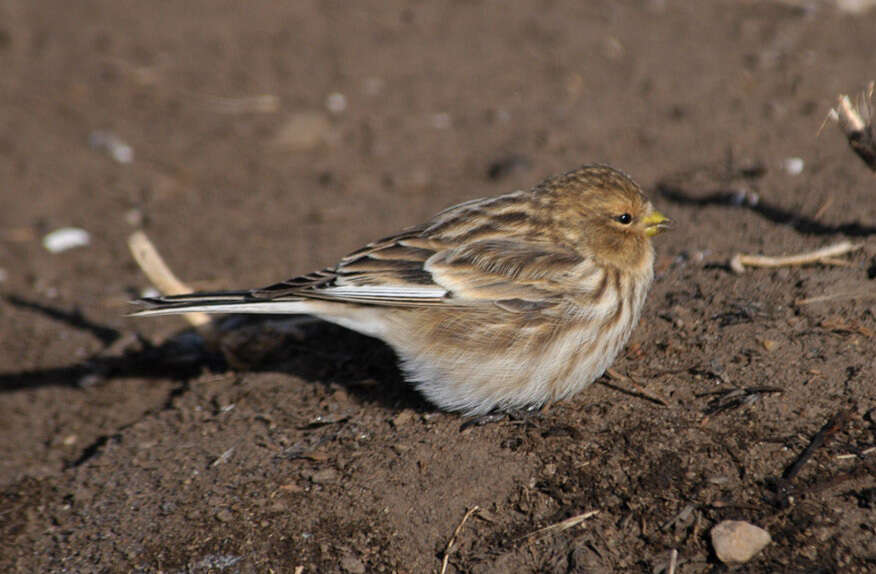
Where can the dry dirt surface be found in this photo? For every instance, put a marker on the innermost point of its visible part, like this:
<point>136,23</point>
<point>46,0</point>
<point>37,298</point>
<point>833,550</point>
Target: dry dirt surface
<point>270,138</point>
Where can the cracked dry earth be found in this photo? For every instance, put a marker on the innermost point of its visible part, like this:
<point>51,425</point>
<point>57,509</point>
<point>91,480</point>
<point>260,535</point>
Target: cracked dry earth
<point>130,445</point>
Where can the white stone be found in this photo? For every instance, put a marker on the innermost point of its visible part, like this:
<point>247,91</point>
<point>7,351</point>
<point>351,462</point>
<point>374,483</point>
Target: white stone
<point>66,238</point>
<point>113,145</point>
<point>737,542</point>
<point>336,102</point>
<point>794,165</point>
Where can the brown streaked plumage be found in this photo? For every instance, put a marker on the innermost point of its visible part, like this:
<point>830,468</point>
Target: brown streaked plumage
<point>502,303</point>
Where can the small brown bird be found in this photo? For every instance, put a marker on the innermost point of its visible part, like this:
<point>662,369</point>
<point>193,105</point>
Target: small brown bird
<point>502,303</point>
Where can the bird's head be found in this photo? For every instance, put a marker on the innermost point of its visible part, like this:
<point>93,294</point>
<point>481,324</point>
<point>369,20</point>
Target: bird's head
<point>602,213</point>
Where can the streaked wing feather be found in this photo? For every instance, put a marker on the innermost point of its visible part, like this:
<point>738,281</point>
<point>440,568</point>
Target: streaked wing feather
<point>523,275</point>
<point>481,250</point>
<point>386,272</point>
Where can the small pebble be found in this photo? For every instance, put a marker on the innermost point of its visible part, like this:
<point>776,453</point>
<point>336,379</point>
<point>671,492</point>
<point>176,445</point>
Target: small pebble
<point>352,565</point>
<point>66,238</point>
<point>769,344</point>
<point>402,418</point>
<point>793,165</point>
<point>324,476</point>
<point>336,102</point>
<point>737,542</point>
<point>4,275</point>
<point>112,144</point>
<point>224,515</point>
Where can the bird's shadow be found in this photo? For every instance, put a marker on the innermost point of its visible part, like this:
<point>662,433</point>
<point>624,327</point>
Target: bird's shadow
<point>313,350</point>
<point>705,187</point>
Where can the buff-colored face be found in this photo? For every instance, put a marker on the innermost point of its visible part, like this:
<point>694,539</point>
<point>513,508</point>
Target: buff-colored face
<point>622,230</point>
<point>605,215</point>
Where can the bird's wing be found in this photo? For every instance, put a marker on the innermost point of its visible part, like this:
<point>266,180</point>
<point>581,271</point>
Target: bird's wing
<point>487,250</point>
<point>517,275</point>
<point>482,250</point>
<point>386,272</point>
<point>410,270</point>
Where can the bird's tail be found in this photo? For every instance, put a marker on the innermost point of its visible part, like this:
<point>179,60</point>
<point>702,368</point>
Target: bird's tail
<point>220,302</point>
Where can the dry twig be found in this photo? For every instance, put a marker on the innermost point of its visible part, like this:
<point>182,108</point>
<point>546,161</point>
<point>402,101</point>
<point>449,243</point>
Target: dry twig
<point>856,123</point>
<point>729,399</point>
<point>449,549</point>
<point>841,295</point>
<point>673,561</point>
<point>562,525</point>
<point>783,484</point>
<point>157,271</point>
<point>823,255</point>
<point>639,391</point>
<point>840,325</point>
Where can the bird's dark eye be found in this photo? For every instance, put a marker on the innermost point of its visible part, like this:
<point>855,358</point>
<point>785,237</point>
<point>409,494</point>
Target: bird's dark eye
<point>625,218</point>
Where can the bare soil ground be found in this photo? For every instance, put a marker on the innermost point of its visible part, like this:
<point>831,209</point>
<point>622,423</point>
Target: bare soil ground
<point>125,445</point>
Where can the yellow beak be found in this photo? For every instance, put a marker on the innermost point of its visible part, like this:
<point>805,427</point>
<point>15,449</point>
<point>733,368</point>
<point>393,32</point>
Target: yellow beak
<point>655,223</point>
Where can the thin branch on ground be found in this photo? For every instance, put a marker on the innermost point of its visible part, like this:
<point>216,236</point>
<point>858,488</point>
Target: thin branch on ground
<point>729,399</point>
<point>639,391</point>
<point>740,261</point>
<point>831,428</point>
<point>673,561</point>
<point>838,296</point>
<point>160,275</point>
<point>449,549</point>
<point>562,525</point>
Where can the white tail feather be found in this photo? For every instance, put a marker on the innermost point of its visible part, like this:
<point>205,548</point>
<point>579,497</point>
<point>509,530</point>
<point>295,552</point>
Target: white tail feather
<point>266,307</point>
<point>365,320</point>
